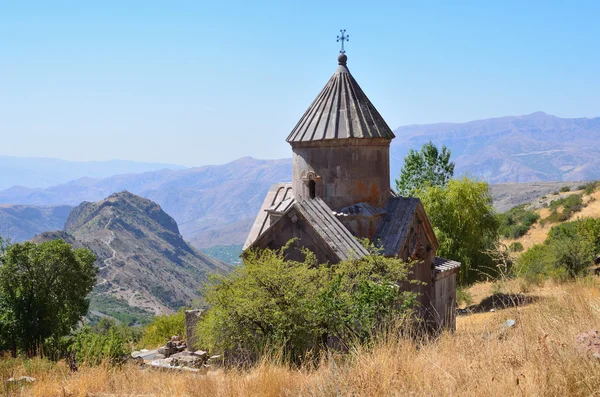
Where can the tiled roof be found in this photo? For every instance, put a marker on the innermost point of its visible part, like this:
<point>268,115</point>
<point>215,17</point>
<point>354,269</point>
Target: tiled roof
<point>445,265</point>
<point>323,220</point>
<point>396,224</point>
<point>340,111</point>
<point>277,194</point>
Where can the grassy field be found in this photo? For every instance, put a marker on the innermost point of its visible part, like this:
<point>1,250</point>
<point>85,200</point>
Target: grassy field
<point>537,357</point>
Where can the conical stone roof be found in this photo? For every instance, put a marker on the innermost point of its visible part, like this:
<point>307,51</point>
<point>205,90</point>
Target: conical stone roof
<point>340,111</point>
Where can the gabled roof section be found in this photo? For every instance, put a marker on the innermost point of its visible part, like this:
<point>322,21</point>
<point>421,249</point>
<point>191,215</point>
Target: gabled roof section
<point>340,111</point>
<point>397,222</point>
<point>324,222</point>
<point>277,194</point>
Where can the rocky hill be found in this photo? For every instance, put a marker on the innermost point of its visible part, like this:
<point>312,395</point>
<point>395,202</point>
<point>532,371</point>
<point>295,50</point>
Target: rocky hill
<point>530,148</point>
<point>143,259</point>
<point>20,222</point>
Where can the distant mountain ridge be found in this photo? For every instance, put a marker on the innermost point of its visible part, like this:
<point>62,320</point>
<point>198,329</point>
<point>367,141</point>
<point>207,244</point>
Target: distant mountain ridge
<point>216,205</point>
<point>21,222</point>
<point>530,148</point>
<point>143,259</point>
<point>41,172</point>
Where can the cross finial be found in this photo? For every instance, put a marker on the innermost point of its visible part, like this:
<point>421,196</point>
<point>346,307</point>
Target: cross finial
<point>343,37</point>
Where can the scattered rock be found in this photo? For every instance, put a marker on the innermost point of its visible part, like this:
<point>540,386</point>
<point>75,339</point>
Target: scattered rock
<point>26,379</point>
<point>589,343</point>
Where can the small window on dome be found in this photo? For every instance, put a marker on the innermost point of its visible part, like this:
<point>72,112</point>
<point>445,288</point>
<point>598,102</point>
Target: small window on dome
<point>312,189</point>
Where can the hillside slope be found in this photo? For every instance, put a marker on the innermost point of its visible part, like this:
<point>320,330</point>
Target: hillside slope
<point>142,257</point>
<point>534,147</point>
<point>21,222</point>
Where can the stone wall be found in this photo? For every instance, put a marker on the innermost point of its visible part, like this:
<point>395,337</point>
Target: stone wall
<point>346,171</point>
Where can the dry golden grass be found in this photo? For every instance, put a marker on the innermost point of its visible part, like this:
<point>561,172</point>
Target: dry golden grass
<point>538,357</point>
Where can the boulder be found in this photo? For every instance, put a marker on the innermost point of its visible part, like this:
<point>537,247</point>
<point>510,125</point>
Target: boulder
<point>192,317</point>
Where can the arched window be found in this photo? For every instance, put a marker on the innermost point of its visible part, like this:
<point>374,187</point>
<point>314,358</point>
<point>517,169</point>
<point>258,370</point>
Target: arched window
<point>312,189</point>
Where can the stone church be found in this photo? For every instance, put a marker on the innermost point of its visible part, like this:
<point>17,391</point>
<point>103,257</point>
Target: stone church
<point>340,191</point>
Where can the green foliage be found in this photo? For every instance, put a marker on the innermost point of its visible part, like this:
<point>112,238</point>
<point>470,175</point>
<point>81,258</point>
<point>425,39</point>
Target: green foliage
<point>517,221</point>
<point>567,252</point>
<point>590,187</point>
<point>464,221</point>
<point>162,328</point>
<point>516,247</point>
<point>226,253</point>
<point>429,166</point>
<point>564,189</point>
<point>463,296</point>
<point>104,341</point>
<point>570,205</point>
<point>43,293</point>
<point>272,302</point>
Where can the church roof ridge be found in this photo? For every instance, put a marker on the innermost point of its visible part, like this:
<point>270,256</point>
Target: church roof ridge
<point>340,111</point>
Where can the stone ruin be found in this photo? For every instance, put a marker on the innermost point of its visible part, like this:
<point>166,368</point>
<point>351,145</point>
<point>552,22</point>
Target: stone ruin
<point>174,355</point>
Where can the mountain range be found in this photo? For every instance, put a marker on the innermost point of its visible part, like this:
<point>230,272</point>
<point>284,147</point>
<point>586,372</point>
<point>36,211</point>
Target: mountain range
<point>216,205</point>
<point>45,172</point>
<point>144,262</point>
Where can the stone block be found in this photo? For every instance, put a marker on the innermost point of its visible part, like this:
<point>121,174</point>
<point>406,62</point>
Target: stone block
<point>192,317</point>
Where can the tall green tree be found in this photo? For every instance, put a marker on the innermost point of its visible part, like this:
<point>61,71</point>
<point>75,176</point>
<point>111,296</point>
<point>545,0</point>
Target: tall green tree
<point>464,221</point>
<point>429,166</point>
<point>43,292</point>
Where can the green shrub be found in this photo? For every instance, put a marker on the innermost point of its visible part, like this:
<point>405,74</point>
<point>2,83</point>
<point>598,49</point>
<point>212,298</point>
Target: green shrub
<point>463,296</point>
<point>270,302</point>
<point>517,221</point>
<point>105,341</point>
<point>590,187</point>
<point>571,204</point>
<point>535,264</point>
<point>162,328</point>
<point>515,247</point>
<point>565,189</point>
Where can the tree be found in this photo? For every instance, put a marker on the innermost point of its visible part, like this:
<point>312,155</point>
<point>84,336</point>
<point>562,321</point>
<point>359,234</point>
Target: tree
<point>43,293</point>
<point>271,302</point>
<point>464,221</point>
<point>430,166</point>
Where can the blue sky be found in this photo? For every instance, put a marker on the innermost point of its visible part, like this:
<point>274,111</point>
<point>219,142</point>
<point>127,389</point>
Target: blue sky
<point>197,82</point>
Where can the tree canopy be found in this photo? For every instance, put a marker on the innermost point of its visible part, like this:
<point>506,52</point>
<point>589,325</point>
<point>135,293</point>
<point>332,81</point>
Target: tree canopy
<point>429,166</point>
<point>272,302</point>
<point>464,222</point>
<point>43,292</point>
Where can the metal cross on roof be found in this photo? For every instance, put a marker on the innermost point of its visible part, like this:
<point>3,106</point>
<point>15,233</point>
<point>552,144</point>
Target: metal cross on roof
<point>343,37</point>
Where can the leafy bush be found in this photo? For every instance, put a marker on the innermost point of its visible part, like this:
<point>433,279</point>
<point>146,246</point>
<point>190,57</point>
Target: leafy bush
<point>589,188</point>
<point>162,328</point>
<point>463,296</point>
<point>104,341</point>
<point>517,221</point>
<point>516,247</point>
<point>300,307</point>
<point>570,205</point>
<point>565,189</point>
<point>536,264</point>
<point>567,252</point>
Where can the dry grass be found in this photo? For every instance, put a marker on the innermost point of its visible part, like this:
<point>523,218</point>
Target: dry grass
<point>536,358</point>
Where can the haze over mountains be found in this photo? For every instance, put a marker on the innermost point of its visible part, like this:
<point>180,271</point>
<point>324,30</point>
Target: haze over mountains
<point>215,205</point>
<point>45,172</point>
